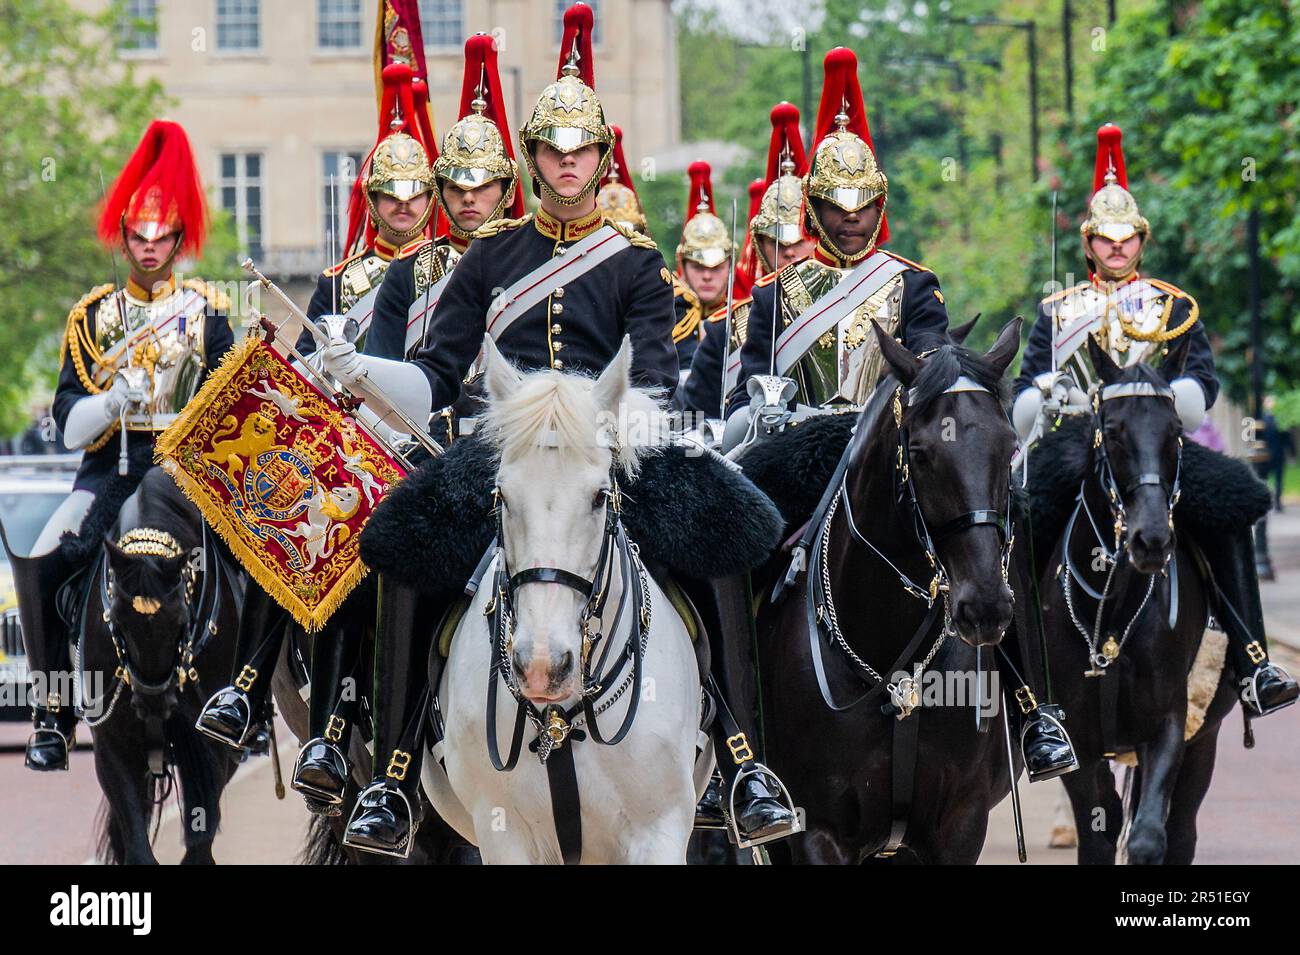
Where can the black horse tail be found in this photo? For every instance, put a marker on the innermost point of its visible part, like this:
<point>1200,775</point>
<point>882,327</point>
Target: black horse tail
<point>323,846</point>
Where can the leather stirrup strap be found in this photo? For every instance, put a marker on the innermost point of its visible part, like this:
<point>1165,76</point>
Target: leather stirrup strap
<point>906,743</point>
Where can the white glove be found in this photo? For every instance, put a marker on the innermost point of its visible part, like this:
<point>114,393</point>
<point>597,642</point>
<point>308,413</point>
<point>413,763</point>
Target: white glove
<point>91,416</point>
<point>1060,393</point>
<point>116,397</point>
<point>1189,402</point>
<point>341,360</point>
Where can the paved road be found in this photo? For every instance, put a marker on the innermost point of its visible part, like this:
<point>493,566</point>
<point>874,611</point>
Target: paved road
<point>1249,816</point>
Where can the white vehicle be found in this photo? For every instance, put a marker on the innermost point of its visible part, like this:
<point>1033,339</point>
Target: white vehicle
<point>30,489</point>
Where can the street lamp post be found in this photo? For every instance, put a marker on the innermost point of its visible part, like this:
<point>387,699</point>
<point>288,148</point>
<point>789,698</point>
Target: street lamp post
<point>1031,37</point>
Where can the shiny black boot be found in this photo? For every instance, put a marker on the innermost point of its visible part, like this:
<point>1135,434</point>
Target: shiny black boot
<point>1265,686</point>
<point>389,811</point>
<point>45,639</point>
<point>708,811</point>
<point>1045,745</point>
<point>322,769</point>
<point>235,714</point>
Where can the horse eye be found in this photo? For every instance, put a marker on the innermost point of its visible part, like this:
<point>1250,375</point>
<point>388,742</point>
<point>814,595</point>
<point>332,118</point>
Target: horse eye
<point>598,501</point>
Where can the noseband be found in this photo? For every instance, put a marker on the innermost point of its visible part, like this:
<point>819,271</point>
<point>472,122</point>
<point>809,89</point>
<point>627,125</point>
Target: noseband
<point>555,723</point>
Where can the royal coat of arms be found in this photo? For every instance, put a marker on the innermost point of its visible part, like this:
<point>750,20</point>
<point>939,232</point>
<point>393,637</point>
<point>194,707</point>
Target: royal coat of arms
<point>284,477</point>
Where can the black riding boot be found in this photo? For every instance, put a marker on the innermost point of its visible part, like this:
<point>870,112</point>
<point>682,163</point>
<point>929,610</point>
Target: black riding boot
<point>752,797</point>
<point>322,770</point>
<point>45,638</point>
<point>389,810</point>
<point>1044,743</point>
<point>1265,686</point>
<point>235,714</point>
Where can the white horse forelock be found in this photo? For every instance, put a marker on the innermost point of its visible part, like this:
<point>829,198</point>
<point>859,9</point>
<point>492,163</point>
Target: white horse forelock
<point>549,409</point>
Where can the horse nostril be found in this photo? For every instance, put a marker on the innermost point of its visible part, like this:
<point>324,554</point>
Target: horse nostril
<point>564,664</point>
<point>518,664</point>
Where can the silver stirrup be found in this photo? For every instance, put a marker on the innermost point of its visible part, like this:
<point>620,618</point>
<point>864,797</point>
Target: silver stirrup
<point>1064,732</point>
<point>403,851</point>
<point>247,732</point>
<point>330,798</point>
<point>733,831</point>
<point>69,741</point>
<point>1250,697</point>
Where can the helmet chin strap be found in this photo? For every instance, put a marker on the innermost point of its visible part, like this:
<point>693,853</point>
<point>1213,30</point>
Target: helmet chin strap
<point>829,243</point>
<point>401,236</point>
<point>542,188</point>
<point>1100,269</point>
<point>164,268</point>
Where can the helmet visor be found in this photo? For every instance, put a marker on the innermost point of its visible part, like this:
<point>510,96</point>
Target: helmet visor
<point>401,189</point>
<point>566,138</point>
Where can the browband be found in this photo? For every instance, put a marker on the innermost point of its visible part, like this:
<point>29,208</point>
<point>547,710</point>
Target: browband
<point>1136,389</point>
<point>963,383</point>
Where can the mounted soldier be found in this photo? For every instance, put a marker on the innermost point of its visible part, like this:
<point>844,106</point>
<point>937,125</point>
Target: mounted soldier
<point>132,358</point>
<point>776,239</point>
<point>703,260</point>
<point>808,338</point>
<point>390,209</point>
<point>1135,319</point>
<point>476,186</point>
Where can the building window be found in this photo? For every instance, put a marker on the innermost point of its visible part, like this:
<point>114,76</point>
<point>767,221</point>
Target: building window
<point>239,25</point>
<point>442,23</point>
<point>137,26</point>
<point>241,196</point>
<point>338,24</point>
<point>343,165</point>
<point>562,5</point>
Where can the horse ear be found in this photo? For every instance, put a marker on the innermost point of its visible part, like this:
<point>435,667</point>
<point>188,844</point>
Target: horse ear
<point>1005,348</point>
<point>501,377</point>
<point>1175,362</point>
<point>905,365</point>
<point>1102,363</point>
<point>615,380</point>
<point>960,333</point>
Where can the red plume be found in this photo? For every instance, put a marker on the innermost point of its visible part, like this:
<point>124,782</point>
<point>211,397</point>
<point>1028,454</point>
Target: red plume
<point>785,133</point>
<point>165,162</point>
<point>701,189</point>
<point>1110,154</point>
<point>619,167</point>
<point>841,92</point>
<point>748,264</point>
<point>578,23</point>
<point>481,66</point>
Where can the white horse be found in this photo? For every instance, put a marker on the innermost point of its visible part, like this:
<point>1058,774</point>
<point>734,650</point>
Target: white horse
<point>561,440</point>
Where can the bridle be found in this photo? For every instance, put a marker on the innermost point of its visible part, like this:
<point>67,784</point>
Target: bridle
<point>555,723</point>
<point>201,618</point>
<point>1104,473</point>
<point>822,619</point>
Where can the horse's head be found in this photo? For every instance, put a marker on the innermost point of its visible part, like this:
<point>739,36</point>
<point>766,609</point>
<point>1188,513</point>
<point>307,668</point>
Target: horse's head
<point>954,453</point>
<point>1137,451</point>
<point>564,442</point>
<point>148,588</point>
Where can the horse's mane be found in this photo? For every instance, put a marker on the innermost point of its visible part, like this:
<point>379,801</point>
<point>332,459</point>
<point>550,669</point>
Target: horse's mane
<point>549,402</point>
<point>943,366</point>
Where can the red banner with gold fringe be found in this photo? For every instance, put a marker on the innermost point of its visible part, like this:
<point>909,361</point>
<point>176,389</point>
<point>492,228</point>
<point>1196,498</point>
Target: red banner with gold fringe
<point>282,475</point>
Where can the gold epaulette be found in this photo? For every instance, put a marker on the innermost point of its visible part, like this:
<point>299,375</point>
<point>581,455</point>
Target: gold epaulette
<point>636,238</point>
<point>497,226</point>
<point>1064,292</point>
<point>78,334</point>
<point>769,278</point>
<point>1176,292</point>
<point>408,250</point>
<point>334,270</point>
<point>217,299</point>
<point>916,265</point>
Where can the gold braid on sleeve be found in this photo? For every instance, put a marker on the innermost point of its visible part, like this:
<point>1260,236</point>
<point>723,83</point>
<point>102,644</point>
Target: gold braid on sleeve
<point>80,338</point>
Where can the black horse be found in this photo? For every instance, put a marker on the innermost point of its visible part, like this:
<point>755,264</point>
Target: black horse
<point>918,526</point>
<point>1121,664</point>
<point>157,624</point>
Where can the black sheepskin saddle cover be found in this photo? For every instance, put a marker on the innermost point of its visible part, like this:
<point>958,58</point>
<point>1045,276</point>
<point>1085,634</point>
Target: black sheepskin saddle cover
<point>1220,494</point>
<point>691,513</point>
<point>794,467</point>
<point>80,548</point>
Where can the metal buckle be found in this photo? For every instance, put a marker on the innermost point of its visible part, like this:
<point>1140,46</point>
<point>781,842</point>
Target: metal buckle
<point>1025,697</point>
<point>740,750</point>
<point>53,702</point>
<point>334,728</point>
<point>1256,652</point>
<point>398,764</point>
<point>247,677</point>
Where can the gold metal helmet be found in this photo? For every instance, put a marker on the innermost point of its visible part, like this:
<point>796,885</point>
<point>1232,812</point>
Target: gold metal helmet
<point>475,151</point>
<point>618,202</point>
<point>399,167</point>
<point>568,115</point>
<point>780,214</point>
<point>704,236</point>
<point>1112,212</point>
<point>844,170</point>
